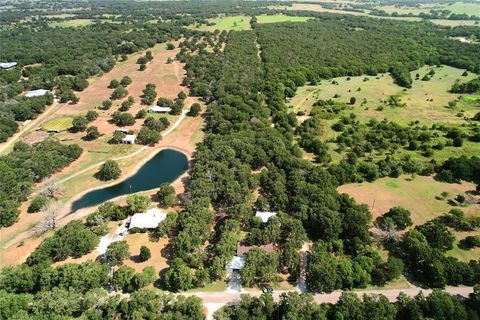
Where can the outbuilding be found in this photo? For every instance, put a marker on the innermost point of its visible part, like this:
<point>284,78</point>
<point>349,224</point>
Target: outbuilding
<point>122,130</point>
<point>7,65</point>
<point>159,109</point>
<point>36,93</point>
<point>147,220</point>
<point>236,264</point>
<point>129,139</point>
<point>265,215</point>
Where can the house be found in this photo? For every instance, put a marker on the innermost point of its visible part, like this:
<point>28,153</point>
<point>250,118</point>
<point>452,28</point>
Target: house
<point>122,130</point>
<point>53,130</point>
<point>36,93</point>
<point>7,65</point>
<point>160,109</point>
<point>264,215</point>
<point>129,139</point>
<point>147,220</point>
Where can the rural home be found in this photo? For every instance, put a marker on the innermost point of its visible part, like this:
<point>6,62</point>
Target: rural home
<point>264,215</point>
<point>129,139</point>
<point>160,109</point>
<point>7,65</point>
<point>36,93</point>
<point>147,220</point>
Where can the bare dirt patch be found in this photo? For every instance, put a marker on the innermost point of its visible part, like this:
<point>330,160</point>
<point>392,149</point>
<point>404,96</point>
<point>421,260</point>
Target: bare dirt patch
<point>157,260</point>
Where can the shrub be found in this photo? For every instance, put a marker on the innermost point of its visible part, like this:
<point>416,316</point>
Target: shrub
<point>108,171</point>
<point>38,203</point>
<point>116,252</point>
<point>145,253</point>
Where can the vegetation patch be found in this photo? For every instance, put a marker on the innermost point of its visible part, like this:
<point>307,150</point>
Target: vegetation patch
<point>60,123</point>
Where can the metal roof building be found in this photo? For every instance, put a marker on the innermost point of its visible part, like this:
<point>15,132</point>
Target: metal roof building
<point>36,93</point>
<point>147,220</point>
<point>160,109</point>
<point>264,215</point>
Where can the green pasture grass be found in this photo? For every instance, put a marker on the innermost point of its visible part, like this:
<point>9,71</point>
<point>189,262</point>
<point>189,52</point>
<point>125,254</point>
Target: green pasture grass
<point>72,23</point>
<point>60,123</point>
<point>379,88</point>
<point>243,22</point>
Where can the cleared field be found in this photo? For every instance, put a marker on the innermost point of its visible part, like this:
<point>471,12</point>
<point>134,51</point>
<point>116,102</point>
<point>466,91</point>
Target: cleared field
<point>60,123</point>
<point>243,22</point>
<point>417,195</point>
<point>72,23</point>
<point>376,90</point>
<point>157,260</point>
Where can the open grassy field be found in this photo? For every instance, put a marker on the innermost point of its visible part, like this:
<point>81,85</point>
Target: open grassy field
<point>60,123</point>
<point>417,195</point>
<point>376,90</point>
<point>243,22</point>
<point>72,23</point>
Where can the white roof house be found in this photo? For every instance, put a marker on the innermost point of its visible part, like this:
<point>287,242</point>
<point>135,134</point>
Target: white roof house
<point>159,109</point>
<point>129,139</point>
<point>36,93</point>
<point>237,263</point>
<point>264,215</point>
<point>147,220</point>
<point>7,65</point>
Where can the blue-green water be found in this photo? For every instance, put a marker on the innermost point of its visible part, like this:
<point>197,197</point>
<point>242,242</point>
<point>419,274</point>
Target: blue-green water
<point>165,166</point>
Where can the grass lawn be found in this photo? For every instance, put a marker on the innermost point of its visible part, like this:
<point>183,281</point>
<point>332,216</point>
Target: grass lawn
<point>72,23</point>
<point>417,195</point>
<point>243,22</point>
<point>376,90</point>
<point>60,123</point>
<point>217,286</point>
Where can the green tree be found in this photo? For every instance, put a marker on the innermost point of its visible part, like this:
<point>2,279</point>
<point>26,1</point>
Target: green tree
<point>92,133</point>
<point>79,123</point>
<point>116,252</point>
<point>126,81</point>
<point>91,115</point>
<point>109,170</point>
<point>148,136</point>
<point>166,195</point>
<point>195,109</point>
<point>137,203</point>
<point>38,203</point>
<point>145,253</point>
<point>122,277</point>
<point>178,277</point>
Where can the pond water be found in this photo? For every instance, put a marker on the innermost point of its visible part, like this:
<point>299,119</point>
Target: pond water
<point>165,166</point>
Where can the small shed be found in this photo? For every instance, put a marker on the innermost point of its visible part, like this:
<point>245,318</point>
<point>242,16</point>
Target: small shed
<point>265,215</point>
<point>7,65</point>
<point>129,139</point>
<point>159,109</point>
<point>147,220</point>
<point>36,93</point>
<point>236,264</point>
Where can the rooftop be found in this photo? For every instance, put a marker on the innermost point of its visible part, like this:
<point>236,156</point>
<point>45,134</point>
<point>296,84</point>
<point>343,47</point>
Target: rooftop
<point>129,138</point>
<point>265,215</point>
<point>7,65</point>
<point>160,109</point>
<point>36,93</point>
<point>147,220</point>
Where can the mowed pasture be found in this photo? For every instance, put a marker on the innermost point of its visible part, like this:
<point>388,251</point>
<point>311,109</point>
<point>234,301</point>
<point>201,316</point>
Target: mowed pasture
<point>419,196</point>
<point>426,101</point>
<point>319,8</point>
<point>60,123</point>
<point>71,23</point>
<point>243,22</point>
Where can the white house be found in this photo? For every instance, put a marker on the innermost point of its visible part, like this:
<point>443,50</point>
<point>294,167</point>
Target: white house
<point>129,139</point>
<point>7,65</point>
<point>160,109</point>
<point>36,93</point>
<point>265,215</point>
<point>147,220</point>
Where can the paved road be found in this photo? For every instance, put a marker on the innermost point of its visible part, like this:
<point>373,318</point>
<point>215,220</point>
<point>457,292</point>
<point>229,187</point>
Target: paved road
<point>215,300</point>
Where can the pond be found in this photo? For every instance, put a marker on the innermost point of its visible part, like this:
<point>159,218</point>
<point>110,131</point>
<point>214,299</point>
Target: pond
<point>165,166</point>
